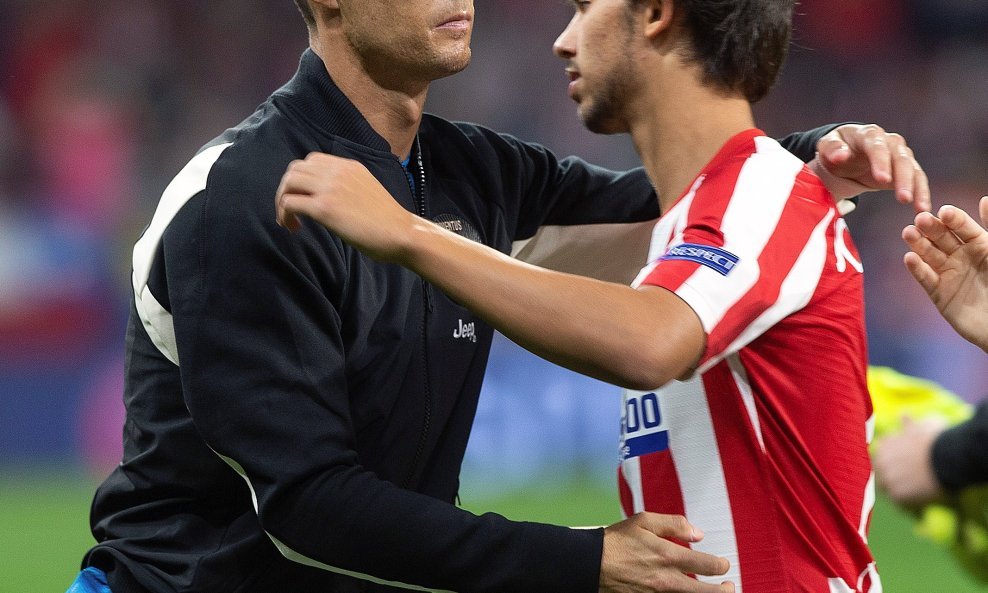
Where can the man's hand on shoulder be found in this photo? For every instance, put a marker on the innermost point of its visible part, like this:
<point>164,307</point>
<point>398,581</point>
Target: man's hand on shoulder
<point>854,159</point>
<point>640,558</point>
<point>342,195</point>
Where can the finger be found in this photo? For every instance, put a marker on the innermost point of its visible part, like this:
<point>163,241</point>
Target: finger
<point>960,223</point>
<point>341,165</point>
<point>869,143</point>
<point>983,210</point>
<point>289,185</point>
<point>920,244</point>
<point>922,272</point>
<point>298,179</point>
<point>904,168</point>
<point>927,251</point>
<point>937,232</point>
<point>922,198</point>
<point>675,526</point>
<point>694,562</point>
<point>280,216</point>
<point>283,217</point>
<point>296,205</point>
<point>723,587</point>
<point>286,219</point>
<point>833,150</point>
<point>282,181</point>
<point>690,585</point>
<point>875,146</point>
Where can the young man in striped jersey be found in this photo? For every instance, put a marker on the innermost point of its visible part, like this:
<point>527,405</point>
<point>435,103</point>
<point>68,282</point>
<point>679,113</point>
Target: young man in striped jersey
<point>746,325</point>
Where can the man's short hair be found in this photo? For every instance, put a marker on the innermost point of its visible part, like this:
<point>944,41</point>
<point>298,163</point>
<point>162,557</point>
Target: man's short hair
<point>740,44</point>
<point>306,10</point>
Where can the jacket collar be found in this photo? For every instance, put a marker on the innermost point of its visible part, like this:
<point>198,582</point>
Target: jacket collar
<point>314,95</point>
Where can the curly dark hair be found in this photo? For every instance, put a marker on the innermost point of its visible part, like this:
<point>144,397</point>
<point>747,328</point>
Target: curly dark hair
<point>740,44</point>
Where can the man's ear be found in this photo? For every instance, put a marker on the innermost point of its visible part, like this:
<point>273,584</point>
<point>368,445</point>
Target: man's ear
<point>325,11</point>
<point>657,16</point>
<point>329,4</point>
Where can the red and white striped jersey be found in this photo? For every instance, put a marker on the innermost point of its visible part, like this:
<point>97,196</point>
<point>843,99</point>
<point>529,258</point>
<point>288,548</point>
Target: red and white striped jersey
<point>765,447</point>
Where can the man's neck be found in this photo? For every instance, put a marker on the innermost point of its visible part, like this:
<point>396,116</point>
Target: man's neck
<point>393,110</point>
<point>679,132</point>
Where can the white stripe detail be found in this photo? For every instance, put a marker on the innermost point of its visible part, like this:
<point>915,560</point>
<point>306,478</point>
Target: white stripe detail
<point>866,507</point>
<point>157,323</point>
<point>794,293</point>
<point>668,230</point>
<point>632,470</point>
<point>876,580</point>
<point>870,428</point>
<point>837,585</point>
<point>189,181</point>
<point>693,446</point>
<point>844,254</point>
<point>299,558</point>
<point>740,375</point>
<point>761,192</point>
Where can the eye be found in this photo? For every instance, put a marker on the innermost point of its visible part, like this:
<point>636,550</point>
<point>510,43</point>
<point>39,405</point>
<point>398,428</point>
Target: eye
<point>581,5</point>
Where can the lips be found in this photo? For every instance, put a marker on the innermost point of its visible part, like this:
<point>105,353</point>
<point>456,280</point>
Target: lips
<point>573,76</point>
<point>460,20</point>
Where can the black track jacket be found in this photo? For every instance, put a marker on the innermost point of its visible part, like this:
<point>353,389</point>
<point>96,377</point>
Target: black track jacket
<point>297,413</point>
<point>959,455</point>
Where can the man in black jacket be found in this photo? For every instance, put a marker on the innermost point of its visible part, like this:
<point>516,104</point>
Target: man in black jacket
<point>296,412</point>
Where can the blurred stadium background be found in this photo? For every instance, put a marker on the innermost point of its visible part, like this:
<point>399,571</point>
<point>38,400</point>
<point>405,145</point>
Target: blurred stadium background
<point>102,102</point>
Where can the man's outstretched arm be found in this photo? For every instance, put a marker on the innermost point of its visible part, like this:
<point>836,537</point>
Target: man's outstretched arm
<point>601,329</point>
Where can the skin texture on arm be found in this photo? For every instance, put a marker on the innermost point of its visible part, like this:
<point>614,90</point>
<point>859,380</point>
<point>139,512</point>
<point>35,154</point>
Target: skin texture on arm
<point>638,339</point>
<point>608,331</point>
<point>949,258</point>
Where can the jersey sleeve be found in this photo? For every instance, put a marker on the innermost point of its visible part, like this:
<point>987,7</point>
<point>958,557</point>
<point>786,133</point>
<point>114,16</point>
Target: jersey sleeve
<point>803,144</point>
<point>959,455</point>
<point>747,249</point>
<point>264,372</point>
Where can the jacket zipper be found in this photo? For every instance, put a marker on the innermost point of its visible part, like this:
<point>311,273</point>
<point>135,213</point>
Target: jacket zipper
<point>419,194</point>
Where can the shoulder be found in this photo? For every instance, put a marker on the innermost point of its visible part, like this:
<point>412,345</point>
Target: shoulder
<point>257,153</point>
<point>231,182</point>
<point>765,177</point>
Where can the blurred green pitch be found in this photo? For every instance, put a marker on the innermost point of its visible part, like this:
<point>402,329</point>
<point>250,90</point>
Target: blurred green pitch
<point>44,530</point>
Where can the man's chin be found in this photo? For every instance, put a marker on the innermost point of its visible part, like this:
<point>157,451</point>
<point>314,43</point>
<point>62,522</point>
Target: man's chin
<point>453,65</point>
<point>599,124</point>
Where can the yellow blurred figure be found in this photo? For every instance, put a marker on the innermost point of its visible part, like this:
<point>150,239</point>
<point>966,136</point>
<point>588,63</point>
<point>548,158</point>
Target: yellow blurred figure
<point>958,521</point>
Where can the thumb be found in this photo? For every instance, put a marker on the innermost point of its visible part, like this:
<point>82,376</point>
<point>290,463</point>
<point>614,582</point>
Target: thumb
<point>833,151</point>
